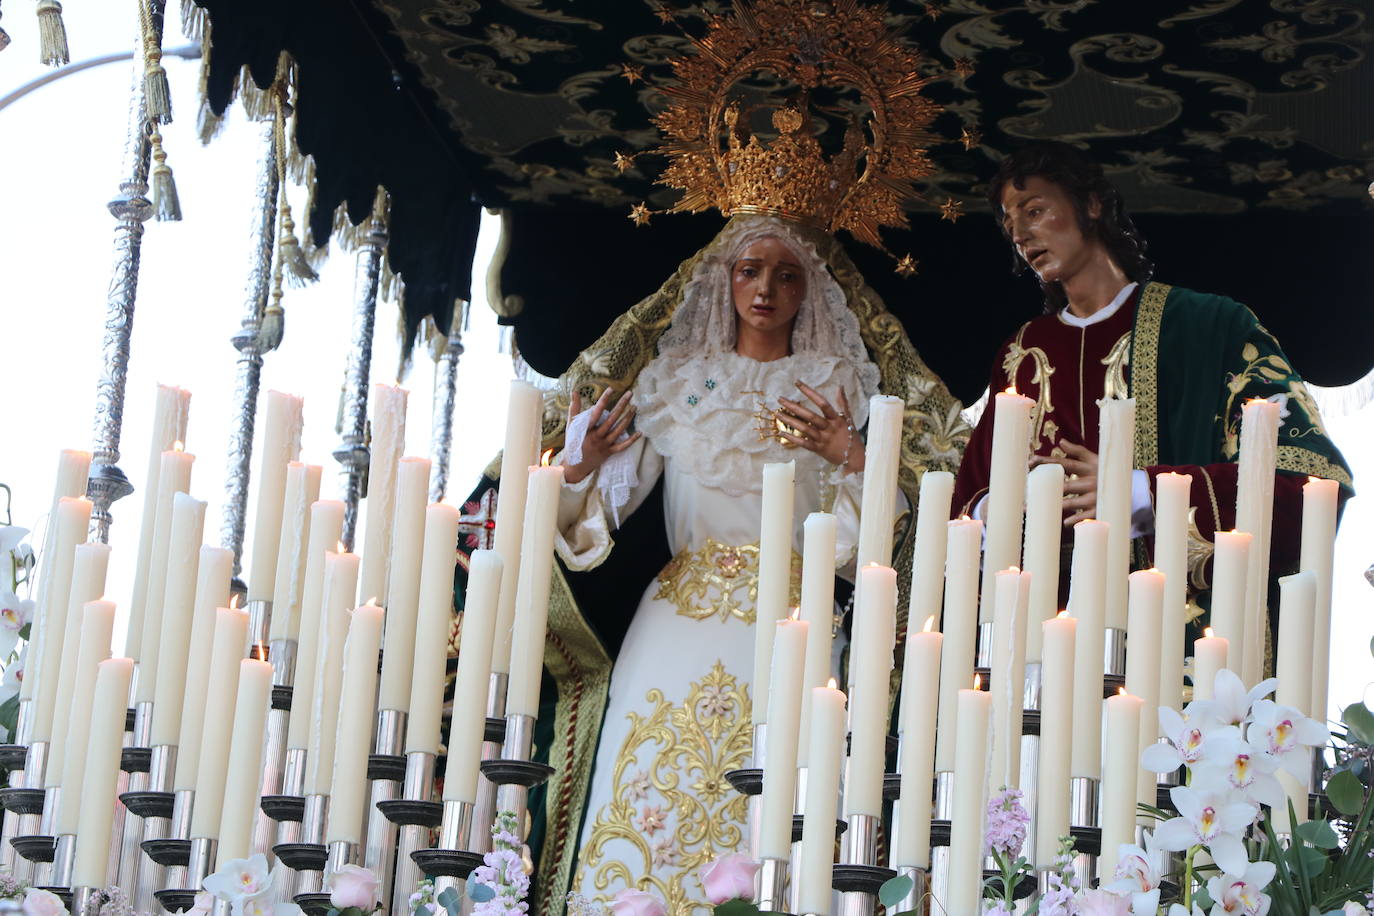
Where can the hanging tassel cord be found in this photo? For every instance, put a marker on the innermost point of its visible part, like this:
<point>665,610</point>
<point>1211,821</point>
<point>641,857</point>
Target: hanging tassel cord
<point>298,271</point>
<point>4,38</point>
<point>272,324</point>
<point>166,203</point>
<point>157,94</point>
<point>52,35</point>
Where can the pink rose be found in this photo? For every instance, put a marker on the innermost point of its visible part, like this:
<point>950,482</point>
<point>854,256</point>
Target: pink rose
<point>730,877</point>
<point>631,902</point>
<point>352,885</point>
<point>38,902</point>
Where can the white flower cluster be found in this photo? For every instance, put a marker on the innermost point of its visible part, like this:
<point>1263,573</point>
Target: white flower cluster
<point>503,870</point>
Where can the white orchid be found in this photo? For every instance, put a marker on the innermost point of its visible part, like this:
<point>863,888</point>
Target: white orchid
<point>1187,736</point>
<point>1235,764</point>
<point>1231,702</point>
<point>15,614</point>
<point>11,536</point>
<point>1179,909</point>
<point>1137,877</point>
<point>1283,731</point>
<point>1244,895</point>
<point>245,884</point>
<point>38,902</point>
<point>1209,819</point>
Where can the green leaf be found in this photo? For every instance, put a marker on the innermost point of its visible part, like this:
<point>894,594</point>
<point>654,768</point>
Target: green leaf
<point>1345,792</point>
<point>1319,834</point>
<point>894,889</point>
<point>451,900</point>
<point>736,907</point>
<point>9,715</point>
<point>331,912</point>
<point>479,893</point>
<point>1311,862</point>
<point>1360,721</point>
<point>1371,646</point>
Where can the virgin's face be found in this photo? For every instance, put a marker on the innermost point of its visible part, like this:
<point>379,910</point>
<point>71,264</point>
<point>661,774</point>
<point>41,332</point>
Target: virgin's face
<point>768,286</point>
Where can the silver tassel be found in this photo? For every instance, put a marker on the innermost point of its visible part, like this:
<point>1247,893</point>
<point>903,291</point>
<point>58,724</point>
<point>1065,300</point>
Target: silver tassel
<point>299,273</point>
<point>272,327</point>
<point>156,93</point>
<point>52,35</point>
<point>166,203</point>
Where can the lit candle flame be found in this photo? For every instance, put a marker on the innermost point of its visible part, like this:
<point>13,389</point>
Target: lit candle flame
<point>1121,691</point>
<point>339,547</point>
<point>1207,632</point>
<point>964,518</point>
<point>372,601</point>
<point>1063,613</point>
<point>831,684</point>
<point>1011,389</point>
<point>178,446</point>
<point>546,459</point>
<point>261,653</point>
<point>977,682</point>
<point>1311,479</point>
<point>930,624</point>
<point>234,602</point>
<point>795,615</point>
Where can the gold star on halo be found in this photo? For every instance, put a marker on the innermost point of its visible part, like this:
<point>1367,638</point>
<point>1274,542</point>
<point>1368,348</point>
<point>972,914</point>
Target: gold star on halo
<point>632,73</point>
<point>933,12</point>
<point>623,163</point>
<point>665,14</point>
<point>639,214</point>
<point>906,267</point>
<point>971,137</point>
<point>951,210</point>
<point>963,66</point>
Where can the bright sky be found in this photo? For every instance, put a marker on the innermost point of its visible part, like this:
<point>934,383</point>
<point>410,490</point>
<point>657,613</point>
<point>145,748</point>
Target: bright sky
<point>60,149</point>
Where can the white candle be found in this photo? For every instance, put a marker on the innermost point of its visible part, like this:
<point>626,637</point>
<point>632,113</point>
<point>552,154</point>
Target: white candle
<point>875,620</point>
<point>970,802</point>
<point>882,457</point>
<point>279,444</point>
<point>1293,648</point>
<point>474,668</point>
<point>1044,528</point>
<point>524,411</point>
<point>221,693</point>
<point>818,610</point>
<point>243,777</point>
<point>409,544</point>
<point>96,627</point>
<point>916,757</point>
<point>340,584</point>
<point>775,575</point>
<point>170,416</point>
<point>1056,737</point>
<point>178,604</point>
<point>1143,635</point>
<point>1209,657</point>
<point>302,489</point>
<point>1318,545</point>
<point>91,856</point>
<point>357,711</point>
<point>174,477</point>
<point>1119,777</point>
<point>1087,599</point>
<point>388,441</point>
<point>532,592</point>
<point>822,800</point>
<point>928,553</point>
<point>212,592</point>
<point>71,521</point>
<point>784,721</point>
<point>90,564</point>
<point>326,528</point>
<point>429,637</point>
<point>1115,461</point>
<point>1259,437</point>
<point>1008,675</point>
<point>960,627</point>
<point>1006,503</point>
<point>1171,558</point>
<point>1230,572</point>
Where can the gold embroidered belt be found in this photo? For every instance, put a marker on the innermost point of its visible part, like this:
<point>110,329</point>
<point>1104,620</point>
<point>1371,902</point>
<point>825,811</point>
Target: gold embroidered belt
<point>719,580</point>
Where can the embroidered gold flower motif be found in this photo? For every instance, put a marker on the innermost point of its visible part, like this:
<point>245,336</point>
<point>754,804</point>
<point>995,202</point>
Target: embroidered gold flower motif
<point>652,819</point>
<point>718,580</point>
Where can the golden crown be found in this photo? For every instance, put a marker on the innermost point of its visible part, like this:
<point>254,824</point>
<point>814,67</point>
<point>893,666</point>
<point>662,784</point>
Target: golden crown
<point>810,48</point>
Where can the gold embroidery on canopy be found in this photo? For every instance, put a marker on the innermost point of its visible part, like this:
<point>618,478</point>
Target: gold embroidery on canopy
<point>1041,426</point>
<point>672,809</point>
<point>719,580</point>
<point>1116,361</point>
<point>1144,371</point>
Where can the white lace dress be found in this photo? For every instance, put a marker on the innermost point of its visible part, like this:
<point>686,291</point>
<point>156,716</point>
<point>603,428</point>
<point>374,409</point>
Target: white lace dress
<point>659,807</point>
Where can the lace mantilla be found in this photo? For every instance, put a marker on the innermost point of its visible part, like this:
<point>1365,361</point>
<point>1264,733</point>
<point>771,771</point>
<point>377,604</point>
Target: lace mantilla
<point>698,412</point>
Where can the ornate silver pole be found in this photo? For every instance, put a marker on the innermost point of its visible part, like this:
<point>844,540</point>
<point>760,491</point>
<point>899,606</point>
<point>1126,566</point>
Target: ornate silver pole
<point>245,340</point>
<point>445,398</point>
<point>132,209</point>
<point>353,453</point>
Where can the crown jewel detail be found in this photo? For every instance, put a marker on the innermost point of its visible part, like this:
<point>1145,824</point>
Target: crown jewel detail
<point>819,47</point>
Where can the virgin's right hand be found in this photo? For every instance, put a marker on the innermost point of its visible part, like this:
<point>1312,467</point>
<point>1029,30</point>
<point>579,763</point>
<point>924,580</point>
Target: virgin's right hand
<point>603,429</point>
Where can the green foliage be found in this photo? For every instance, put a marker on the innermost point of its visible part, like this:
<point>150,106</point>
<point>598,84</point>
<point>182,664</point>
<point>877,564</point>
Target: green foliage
<point>1319,833</point>
<point>451,899</point>
<point>894,889</point>
<point>1345,792</point>
<point>478,893</point>
<point>1358,718</point>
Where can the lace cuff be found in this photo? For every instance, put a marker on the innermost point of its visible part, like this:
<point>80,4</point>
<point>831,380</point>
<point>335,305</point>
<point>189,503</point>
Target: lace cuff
<point>617,476</point>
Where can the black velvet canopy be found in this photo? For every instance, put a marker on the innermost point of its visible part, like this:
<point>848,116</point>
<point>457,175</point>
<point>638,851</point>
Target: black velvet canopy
<point>1240,131</point>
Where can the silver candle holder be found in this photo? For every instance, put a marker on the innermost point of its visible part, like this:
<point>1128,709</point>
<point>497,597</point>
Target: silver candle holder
<point>86,901</point>
<point>941,815</point>
<point>309,856</point>
<point>135,760</point>
<point>773,885</point>
<point>27,802</point>
<point>282,654</point>
<point>155,806</point>
<point>13,758</point>
<point>386,768</point>
<point>983,656</point>
<point>413,815</point>
<point>448,863</point>
<point>1085,825</point>
<point>1114,652</point>
<point>515,773</point>
<point>858,875</point>
<point>495,734</point>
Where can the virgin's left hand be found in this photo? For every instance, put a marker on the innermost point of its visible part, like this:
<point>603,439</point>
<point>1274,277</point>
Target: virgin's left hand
<point>1080,486</point>
<point>829,433</point>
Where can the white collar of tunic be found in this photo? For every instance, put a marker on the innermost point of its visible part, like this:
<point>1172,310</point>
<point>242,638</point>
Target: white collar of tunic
<point>1101,314</point>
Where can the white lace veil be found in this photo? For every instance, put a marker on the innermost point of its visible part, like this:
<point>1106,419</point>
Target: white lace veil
<point>704,321</point>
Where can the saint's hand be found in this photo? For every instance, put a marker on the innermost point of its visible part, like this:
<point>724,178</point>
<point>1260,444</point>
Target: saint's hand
<point>604,428</point>
<point>1080,484</point>
<point>829,433</point>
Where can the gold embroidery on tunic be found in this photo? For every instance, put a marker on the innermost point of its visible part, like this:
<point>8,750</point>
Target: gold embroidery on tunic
<point>718,580</point>
<point>671,802</point>
<point>1116,361</point>
<point>1200,550</point>
<point>1041,426</point>
<point>1144,371</point>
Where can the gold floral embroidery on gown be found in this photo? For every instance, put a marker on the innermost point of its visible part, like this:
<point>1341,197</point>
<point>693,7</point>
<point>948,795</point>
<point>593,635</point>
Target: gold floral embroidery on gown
<point>671,802</point>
